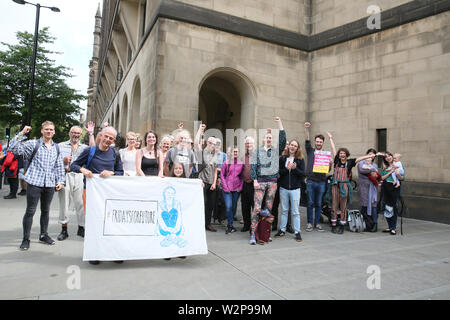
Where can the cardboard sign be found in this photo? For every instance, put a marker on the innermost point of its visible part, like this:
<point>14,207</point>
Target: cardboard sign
<point>322,160</point>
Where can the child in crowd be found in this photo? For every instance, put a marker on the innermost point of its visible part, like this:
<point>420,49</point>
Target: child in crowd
<point>178,170</point>
<point>399,168</point>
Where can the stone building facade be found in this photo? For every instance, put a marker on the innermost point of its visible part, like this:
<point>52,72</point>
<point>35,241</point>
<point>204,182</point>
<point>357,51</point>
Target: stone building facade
<point>239,63</point>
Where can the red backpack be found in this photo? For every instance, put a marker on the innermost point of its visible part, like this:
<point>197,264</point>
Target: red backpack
<point>263,229</point>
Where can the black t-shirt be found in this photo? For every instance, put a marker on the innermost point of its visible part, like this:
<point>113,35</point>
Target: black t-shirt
<point>350,164</point>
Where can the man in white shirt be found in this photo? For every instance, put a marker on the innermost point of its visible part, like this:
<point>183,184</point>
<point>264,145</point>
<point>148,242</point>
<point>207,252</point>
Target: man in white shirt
<point>72,192</point>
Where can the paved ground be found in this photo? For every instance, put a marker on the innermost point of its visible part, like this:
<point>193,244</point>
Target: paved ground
<point>323,266</point>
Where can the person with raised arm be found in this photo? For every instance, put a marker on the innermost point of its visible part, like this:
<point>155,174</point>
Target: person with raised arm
<point>292,170</point>
<point>316,180</point>
<point>207,172</point>
<point>341,188</point>
<point>264,173</point>
<point>45,174</point>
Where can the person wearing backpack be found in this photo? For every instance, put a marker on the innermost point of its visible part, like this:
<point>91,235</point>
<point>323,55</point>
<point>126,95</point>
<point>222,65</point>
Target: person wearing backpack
<point>45,174</point>
<point>10,168</point>
<point>102,159</point>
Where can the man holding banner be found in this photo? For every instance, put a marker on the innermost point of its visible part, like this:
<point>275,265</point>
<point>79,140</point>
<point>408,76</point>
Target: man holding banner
<point>100,159</point>
<point>319,164</point>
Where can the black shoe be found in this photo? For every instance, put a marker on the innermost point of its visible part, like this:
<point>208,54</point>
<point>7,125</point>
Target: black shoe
<point>63,235</point>
<point>10,196</point>
<point>46,239</point>
<point>245,229</point>
<point>118,261</point>
<point>80,231</point>
<point>290,230</point>
<point>210,228</point>
<point>22,193</point>
<point>25,245</point>
<point>280,234</point>
<point>230,230</point>
<point>333,229</point>
<point>341,229</point>
<point>298,237</point>
<point>94,262</point>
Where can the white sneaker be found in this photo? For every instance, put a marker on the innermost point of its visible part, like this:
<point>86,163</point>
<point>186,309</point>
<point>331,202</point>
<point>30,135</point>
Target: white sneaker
<point>252,240</point>
<point>309,227</point>
<point>319,228</point>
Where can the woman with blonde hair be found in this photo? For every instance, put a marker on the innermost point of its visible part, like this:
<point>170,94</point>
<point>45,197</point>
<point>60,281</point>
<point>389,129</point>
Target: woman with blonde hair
<point>292,171</point>
<point>128,155</point>
<point>165,146</point>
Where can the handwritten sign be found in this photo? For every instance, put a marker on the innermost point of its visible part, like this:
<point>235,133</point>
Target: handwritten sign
<point>322,160</point>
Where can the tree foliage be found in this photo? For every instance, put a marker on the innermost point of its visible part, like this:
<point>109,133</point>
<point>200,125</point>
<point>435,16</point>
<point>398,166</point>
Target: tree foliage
<point>53,99</point>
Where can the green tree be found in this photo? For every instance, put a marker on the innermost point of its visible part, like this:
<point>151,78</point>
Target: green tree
<point>53,99</point>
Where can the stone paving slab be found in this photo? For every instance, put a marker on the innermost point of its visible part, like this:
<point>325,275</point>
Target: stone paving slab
<point>323,266</point>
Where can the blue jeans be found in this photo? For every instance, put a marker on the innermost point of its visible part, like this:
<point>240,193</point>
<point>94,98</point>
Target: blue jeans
<point>231,200</point>
<point>315,191</point>
<point>292,197</point>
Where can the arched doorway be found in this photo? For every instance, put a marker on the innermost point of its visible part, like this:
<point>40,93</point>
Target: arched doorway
<point>226,101</point>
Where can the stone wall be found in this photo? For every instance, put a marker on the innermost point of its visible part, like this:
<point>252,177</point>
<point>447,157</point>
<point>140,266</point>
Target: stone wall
<point>142,72</point>
<point>397,79</point>
<point>328,14</point>
<point>285,14</point>
<point>187,53</point>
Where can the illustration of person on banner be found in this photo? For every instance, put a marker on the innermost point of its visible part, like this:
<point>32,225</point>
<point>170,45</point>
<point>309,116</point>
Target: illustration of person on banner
<point>170,220</point>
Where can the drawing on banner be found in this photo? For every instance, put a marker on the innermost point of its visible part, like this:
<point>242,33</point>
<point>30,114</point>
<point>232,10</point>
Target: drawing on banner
<point>322,160</point>
<point>170,220</point>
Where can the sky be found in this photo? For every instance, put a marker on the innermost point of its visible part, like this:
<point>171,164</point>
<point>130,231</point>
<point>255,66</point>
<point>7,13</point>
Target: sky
<point>73,28</point>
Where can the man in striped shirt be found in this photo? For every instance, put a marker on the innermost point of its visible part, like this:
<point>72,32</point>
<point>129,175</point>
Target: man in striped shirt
<point>45,174</point>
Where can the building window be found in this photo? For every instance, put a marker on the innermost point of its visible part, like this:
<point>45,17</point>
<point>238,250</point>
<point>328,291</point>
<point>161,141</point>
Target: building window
<point>129,55</point>
<point>143,16</point>
<point>381,143</point>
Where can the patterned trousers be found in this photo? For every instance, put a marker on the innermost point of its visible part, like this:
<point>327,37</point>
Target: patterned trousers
<point>267,189</point>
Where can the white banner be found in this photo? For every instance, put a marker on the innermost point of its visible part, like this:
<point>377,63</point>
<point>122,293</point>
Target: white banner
<point>131,218</point>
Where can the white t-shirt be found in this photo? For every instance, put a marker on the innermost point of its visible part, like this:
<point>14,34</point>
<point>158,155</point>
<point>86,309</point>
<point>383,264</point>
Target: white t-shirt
<point>128,161</point>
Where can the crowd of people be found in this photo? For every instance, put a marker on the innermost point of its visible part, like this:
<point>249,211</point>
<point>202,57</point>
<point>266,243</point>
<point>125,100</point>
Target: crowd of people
<point>262,176</point>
